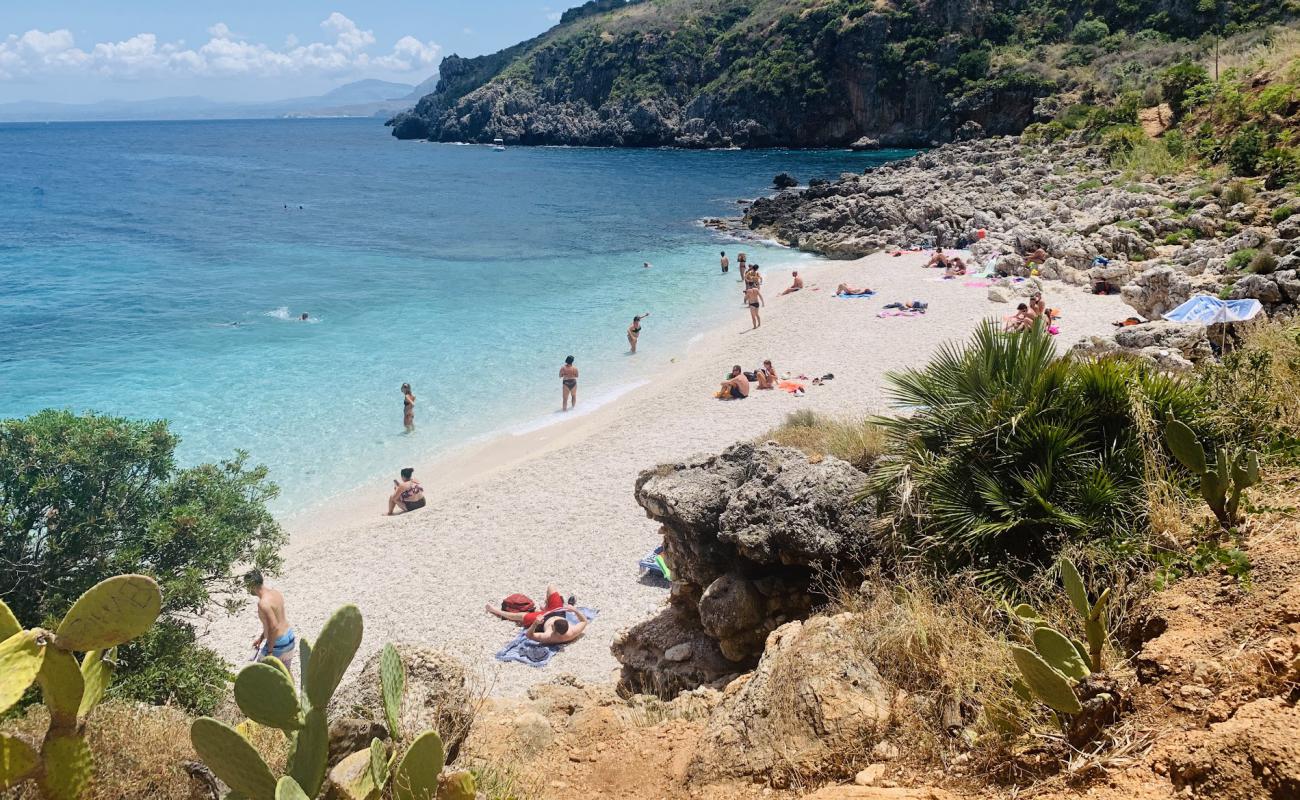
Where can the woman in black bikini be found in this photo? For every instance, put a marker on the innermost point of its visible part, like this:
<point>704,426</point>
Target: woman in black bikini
<point>408,407</point>
<point>407,493</point>
<point>568,384</point>
<point>634,330</point>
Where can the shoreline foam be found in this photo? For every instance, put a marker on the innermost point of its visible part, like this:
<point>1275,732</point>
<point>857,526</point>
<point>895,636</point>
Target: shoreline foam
<point>555,504</point>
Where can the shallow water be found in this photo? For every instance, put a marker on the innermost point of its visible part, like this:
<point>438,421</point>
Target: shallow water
<point>158,270</point>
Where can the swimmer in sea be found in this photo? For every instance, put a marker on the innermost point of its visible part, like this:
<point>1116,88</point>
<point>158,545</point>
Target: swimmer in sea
<point>408,407</point>
<point>303,318</point>
<point>634,330</point>
<point>568,384</point>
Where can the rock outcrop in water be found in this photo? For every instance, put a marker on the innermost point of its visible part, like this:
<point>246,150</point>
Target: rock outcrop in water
<point>746,533</point>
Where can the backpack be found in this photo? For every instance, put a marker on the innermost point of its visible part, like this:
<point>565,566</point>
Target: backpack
<point>518,604</point>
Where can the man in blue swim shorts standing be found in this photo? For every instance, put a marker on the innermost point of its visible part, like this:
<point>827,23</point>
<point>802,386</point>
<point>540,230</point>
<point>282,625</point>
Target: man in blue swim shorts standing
<point>277,638</point>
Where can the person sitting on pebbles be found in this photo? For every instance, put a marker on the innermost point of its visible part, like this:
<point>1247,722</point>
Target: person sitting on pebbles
<point>938,259</point>
<point>736,387</point>
<point>795,285</point>
<point>956,267</point>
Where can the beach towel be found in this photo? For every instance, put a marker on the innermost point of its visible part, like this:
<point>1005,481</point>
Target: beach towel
<point>977,284</point>
<point>654,564</point>
<point>793,387</point>
<point>897,313</point>
<point>851,296</point>
<point>526,651</point>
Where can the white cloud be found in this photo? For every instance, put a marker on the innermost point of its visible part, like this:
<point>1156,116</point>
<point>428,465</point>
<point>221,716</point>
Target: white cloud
<point>37,53</point>
<point>553,16</point>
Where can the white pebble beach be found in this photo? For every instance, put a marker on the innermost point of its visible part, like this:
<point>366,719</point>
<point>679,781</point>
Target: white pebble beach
<point>556,505</point>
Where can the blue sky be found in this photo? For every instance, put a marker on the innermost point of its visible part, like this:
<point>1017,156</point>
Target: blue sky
<point>88,50</point>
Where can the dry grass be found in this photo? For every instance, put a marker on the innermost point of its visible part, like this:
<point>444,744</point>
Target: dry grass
<point>858,443</point>
<point>942,645</point>
<point>140,751</point>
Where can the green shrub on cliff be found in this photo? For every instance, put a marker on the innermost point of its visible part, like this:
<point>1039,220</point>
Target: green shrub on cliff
<point>1010,453</point>
<point>86,497</point>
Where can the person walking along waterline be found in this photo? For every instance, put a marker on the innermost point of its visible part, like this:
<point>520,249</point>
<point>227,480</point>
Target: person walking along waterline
<point>634,330</point>
<point>726,262</point>
<point>408,408</point>
<point>568,384</point>
<point>277,638</point>
<point>752,298</point>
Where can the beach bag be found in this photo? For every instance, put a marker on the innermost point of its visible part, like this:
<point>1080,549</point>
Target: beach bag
<point>518,604</point>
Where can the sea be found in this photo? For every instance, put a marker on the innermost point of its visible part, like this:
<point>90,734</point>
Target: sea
<point>160,270</point>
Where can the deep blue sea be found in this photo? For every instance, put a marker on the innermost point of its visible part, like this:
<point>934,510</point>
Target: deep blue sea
<point>129,251</point>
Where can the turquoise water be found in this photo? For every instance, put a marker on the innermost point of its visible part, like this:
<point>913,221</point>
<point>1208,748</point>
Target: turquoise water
<point>130,250</point>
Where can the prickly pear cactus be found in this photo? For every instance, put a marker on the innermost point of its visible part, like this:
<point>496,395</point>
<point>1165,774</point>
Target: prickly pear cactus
<point>110,613</point>
<point>232,759</point>
<point>96,674</point>
<point>21,656</point>
<point>392,684</point>
<point>458,786</point>
<point>266,695</point>
<point>416,776</point>
<point>1046,684</point>
<point>18,761</point>
<point>330,656</point>
<point>1059,653</point>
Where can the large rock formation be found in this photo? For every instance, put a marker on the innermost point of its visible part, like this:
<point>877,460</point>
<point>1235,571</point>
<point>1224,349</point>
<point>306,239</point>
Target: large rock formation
<point>745,533</point>
<point>812,698</point>
<point>438,697</point>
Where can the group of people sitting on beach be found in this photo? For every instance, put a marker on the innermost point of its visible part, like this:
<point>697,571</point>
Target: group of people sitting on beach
<point>952,266</point>
<point>739,383</point>
<point>1028,313</point>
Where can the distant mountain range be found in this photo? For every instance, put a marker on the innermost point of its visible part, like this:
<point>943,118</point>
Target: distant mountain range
<point>365,98</point>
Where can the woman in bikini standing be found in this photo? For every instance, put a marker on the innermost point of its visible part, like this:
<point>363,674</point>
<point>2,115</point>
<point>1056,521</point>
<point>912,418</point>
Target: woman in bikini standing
<point>634,330</point>
<point>568,384</point>
<point>408,407</point>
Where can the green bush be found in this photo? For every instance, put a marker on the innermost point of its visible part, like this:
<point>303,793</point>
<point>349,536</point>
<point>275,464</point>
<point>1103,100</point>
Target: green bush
<point>1012,453</point>
<point>88,497</point>
<point>1089,185</point>
<point>1281,166</point>
<point>1246,150</point>
<point>1119,140</point>
<point>1282,213</point>
<point>167,666</point>
<point>1180,79</point>
<point>1234,193</point>
<point>1264,263</point>
<point>1175,143</point>
<point>1240,259</point>
<point>1089,31</point>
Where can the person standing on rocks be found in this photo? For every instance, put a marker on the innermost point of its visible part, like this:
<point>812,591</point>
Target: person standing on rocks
<point>726,263</point>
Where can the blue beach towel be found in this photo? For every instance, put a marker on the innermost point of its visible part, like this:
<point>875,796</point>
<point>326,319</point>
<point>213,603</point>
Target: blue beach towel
<point>526,651</point>
<point>852,296</point>
<point>654,564</point>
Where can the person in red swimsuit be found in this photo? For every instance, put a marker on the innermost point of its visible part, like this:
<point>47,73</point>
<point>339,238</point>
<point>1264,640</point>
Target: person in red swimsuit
<point>550,624</point>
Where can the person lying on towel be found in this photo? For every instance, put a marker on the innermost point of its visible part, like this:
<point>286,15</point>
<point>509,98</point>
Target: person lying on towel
<point>549,625</point>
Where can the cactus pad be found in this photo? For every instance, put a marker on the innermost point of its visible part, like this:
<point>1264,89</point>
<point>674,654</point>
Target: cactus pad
<point>1048,685</point>
<point>331,655</point>
<point>266,696</point>
<point>111,612</point>
<point>1060,654</point>
<point>61,687</point>
<point>1185,447</point>
<point>288,789</point>
<point>1026,613</point>
<point>69,767</point>
<point>378,763</point>
<point>308,763</point>
<point>354,772</point>
<point>96,673</point>
<point>392,684</point>
<point>20,663</point>
<point>416,776</point>
<point>8,622</point>
<point>232,759</point>
<point>17,761</point>
<point>1074,588</point>
<point>458,785</point>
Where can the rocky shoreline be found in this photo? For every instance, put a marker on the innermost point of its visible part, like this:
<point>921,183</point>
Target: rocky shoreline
<point>1158,241</point>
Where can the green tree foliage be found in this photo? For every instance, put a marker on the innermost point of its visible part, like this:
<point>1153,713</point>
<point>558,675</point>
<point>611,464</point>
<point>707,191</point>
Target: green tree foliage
<point>1246,150</point>
<point>85,497</point>
<point>1178,81</point>
<point>1010,452</point>
<point>1090,31</point>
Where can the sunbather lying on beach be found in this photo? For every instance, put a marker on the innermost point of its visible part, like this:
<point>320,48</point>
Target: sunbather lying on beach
<point>407,493</point>
<point>845,289</point>
<point>796,285</point>
<point>735,387</point>
<point>549,625</point>
<point>910,305</point>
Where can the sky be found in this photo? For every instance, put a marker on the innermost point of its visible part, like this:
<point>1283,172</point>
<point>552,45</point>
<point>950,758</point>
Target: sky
<point>79,51</point>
